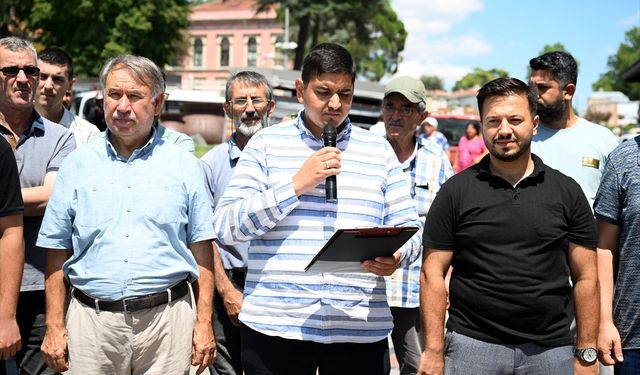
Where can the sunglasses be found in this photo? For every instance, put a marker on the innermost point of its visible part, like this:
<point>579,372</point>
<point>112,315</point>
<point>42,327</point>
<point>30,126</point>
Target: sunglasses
<point>13,71</point>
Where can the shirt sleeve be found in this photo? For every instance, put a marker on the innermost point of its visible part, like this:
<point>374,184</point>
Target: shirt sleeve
<point>440,223</point>
<point>582,225</point>
<point>607,203</point>
<point>200,226</point>
<point>66,144</point>
<point>56,231</point>
<point>250,208</point>
<point>400,209</point>
<point>10,195</point>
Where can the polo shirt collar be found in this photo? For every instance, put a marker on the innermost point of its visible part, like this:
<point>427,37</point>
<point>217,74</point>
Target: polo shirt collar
<point>482,167</point>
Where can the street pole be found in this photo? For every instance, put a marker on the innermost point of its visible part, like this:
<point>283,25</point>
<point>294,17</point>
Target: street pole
<point>286,38</point>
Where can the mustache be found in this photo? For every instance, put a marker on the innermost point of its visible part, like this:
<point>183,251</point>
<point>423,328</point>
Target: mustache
<point>130,117</point>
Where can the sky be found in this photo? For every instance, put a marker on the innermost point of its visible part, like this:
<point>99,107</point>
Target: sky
<point>449,38</point>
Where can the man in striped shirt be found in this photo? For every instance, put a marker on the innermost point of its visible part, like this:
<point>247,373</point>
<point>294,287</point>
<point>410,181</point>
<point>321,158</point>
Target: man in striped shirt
<point>426,168</point>
<point>296,321</point>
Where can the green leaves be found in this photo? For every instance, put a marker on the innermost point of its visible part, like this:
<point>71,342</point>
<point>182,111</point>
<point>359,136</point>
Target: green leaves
<point>627,54</point>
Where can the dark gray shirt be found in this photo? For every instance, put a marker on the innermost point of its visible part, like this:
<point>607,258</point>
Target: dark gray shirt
<point>618,202</point>
<point>40,149</point>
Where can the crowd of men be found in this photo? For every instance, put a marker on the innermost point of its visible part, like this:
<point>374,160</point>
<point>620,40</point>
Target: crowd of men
<point>124,254</point>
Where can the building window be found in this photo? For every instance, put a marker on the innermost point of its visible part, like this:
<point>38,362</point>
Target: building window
<point>252,52</point>
<point>224,52</point>
<point>197,52</point>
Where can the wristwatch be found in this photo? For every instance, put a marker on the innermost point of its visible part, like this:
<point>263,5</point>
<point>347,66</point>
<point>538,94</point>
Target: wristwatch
<point>586,355</point>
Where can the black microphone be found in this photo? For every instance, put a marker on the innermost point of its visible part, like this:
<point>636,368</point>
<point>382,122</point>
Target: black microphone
<point>330,185</point>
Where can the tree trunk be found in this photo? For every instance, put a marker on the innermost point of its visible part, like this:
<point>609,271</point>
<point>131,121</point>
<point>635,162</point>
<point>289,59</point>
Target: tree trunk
<point>303,35</point>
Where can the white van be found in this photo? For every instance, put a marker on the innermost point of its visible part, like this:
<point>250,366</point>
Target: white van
<point>197,113</point>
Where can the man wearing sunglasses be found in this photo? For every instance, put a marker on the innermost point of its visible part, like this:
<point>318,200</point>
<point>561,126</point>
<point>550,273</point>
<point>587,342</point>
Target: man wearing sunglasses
<point>249,103</point>
<point>39,146</point>
<point>56,78</point>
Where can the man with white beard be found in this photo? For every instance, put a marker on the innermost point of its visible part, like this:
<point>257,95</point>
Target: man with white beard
<point>249,103</point>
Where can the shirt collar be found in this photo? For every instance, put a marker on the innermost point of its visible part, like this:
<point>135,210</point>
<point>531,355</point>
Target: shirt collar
<point>142,151</point>
<point>67,118</point>
<point>234,150</point>
<point>344,129</point>
<point>482,167</point>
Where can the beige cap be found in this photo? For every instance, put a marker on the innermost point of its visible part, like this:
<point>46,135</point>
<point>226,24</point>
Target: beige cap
<point>409,87</point>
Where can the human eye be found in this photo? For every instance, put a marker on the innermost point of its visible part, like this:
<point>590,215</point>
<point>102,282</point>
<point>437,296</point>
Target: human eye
<point>239,101</point>
<point>257,100</point>
<point>407,110</point>
<point>58,80</point>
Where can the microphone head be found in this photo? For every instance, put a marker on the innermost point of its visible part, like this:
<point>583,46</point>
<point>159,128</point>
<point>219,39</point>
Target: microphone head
<point>329,134</point>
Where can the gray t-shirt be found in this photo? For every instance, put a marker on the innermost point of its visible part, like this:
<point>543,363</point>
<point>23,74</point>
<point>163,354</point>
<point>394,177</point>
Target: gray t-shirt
<point>618,202</point>
<point>40,149</point>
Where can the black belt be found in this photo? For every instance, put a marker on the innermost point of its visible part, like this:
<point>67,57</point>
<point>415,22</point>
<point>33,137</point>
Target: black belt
<point>136,303</point>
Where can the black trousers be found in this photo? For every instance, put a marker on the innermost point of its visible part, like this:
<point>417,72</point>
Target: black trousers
<point>31,320</point>
<point>269,355</point>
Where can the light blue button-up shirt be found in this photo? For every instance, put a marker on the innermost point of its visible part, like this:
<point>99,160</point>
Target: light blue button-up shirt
<point>128,221</point>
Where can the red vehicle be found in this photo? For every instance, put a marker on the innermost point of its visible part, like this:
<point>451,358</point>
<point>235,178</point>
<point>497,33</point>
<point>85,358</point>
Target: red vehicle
<point>453,127</point>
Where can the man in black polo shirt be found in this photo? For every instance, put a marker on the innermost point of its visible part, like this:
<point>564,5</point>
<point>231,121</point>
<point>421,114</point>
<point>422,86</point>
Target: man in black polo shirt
<point>513,229</point>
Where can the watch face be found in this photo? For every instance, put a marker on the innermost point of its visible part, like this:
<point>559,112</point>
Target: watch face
<point>590,354</point>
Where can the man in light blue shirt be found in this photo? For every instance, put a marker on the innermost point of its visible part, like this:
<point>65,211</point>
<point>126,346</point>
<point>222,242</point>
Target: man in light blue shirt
<point>297,322</point>
<point>249,103</point>
<point>128,229</point>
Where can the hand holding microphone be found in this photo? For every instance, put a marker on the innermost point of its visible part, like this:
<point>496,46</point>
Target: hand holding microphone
<point>329,137</point>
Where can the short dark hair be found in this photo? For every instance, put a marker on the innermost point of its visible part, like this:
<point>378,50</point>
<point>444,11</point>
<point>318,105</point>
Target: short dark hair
<point>247,76</point>
<point>505,87</point>
<point>561,65</point>
<point>475,126</point>
<point>328,58</point>
<point>58,56</point>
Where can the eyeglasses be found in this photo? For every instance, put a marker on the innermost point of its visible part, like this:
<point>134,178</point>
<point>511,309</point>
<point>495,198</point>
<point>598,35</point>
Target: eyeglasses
<point>241,103</point>
<point>404,110</point>
<point>13,71</point>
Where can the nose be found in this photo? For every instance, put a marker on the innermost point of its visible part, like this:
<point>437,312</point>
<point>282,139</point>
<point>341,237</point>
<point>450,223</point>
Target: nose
<point>22,76</point>
<point>504,128</point>
<point>334,101</point>
<point>123,104</point>
<point>47,83</point>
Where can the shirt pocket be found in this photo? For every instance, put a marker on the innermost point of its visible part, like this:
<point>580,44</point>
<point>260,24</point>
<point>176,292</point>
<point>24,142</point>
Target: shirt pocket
<point>424,193</point>
<point>96,205</point>
<point>160,201</point>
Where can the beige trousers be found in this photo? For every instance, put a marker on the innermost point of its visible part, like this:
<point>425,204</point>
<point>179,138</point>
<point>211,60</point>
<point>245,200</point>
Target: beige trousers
<point>151,341</point>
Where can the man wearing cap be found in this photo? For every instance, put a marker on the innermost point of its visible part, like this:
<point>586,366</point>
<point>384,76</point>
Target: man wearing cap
<point>430,132</point>
<point>425,167</point>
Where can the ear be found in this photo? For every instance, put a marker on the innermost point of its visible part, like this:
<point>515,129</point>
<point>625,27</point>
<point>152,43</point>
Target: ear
<point>272,107</point>
<point>300,90</point>
<point>159,104</point>
<point>535,120</point>
<point>423,117</point>
<point>568,91</point>
<point>71,83</point>
<point>227,109</point>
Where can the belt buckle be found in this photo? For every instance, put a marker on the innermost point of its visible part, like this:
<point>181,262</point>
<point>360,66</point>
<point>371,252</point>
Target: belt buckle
<point>124,304</point>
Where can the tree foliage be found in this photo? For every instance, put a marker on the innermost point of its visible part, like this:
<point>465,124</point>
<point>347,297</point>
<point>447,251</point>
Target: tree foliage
<point>93,31</point>
<point>370,30</point>
<point>478,78</point>
<point>432,82</point>
<point>628,53</point>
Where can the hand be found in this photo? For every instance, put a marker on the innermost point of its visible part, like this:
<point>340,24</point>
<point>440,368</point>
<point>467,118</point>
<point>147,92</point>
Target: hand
<point>320,165</point>
<point>581,368</point>
<point>431,363</point>
<point>232,304</point>
<point>609,346</point>
<point>9,338</point>
<point>54,349</point>
<point>203,352</point>
<point>383,266</point>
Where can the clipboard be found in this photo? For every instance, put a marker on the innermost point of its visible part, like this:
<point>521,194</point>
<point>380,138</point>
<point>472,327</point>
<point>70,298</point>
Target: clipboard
<point>347,248</point>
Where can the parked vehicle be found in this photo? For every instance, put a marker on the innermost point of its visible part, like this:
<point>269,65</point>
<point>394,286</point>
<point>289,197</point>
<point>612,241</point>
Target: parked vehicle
<point>197,113</point>
<point>453,127</point>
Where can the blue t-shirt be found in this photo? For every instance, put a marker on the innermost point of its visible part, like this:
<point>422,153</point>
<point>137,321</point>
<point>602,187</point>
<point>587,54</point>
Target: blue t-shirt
<point>618,202</point>
<point>579,152</point>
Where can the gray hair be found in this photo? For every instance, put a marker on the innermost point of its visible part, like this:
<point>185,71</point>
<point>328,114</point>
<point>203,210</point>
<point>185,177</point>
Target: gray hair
<point>15,44</point>
<point>143,70</point>
<point>247,76</point>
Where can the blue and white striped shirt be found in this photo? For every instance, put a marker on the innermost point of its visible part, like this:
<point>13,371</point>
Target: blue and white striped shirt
<point>287,231</point>
<point>425,171</point>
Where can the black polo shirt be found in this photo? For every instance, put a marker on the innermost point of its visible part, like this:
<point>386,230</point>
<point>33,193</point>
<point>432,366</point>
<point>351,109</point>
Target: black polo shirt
<point>10,193</point>
<point>510,267</point>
